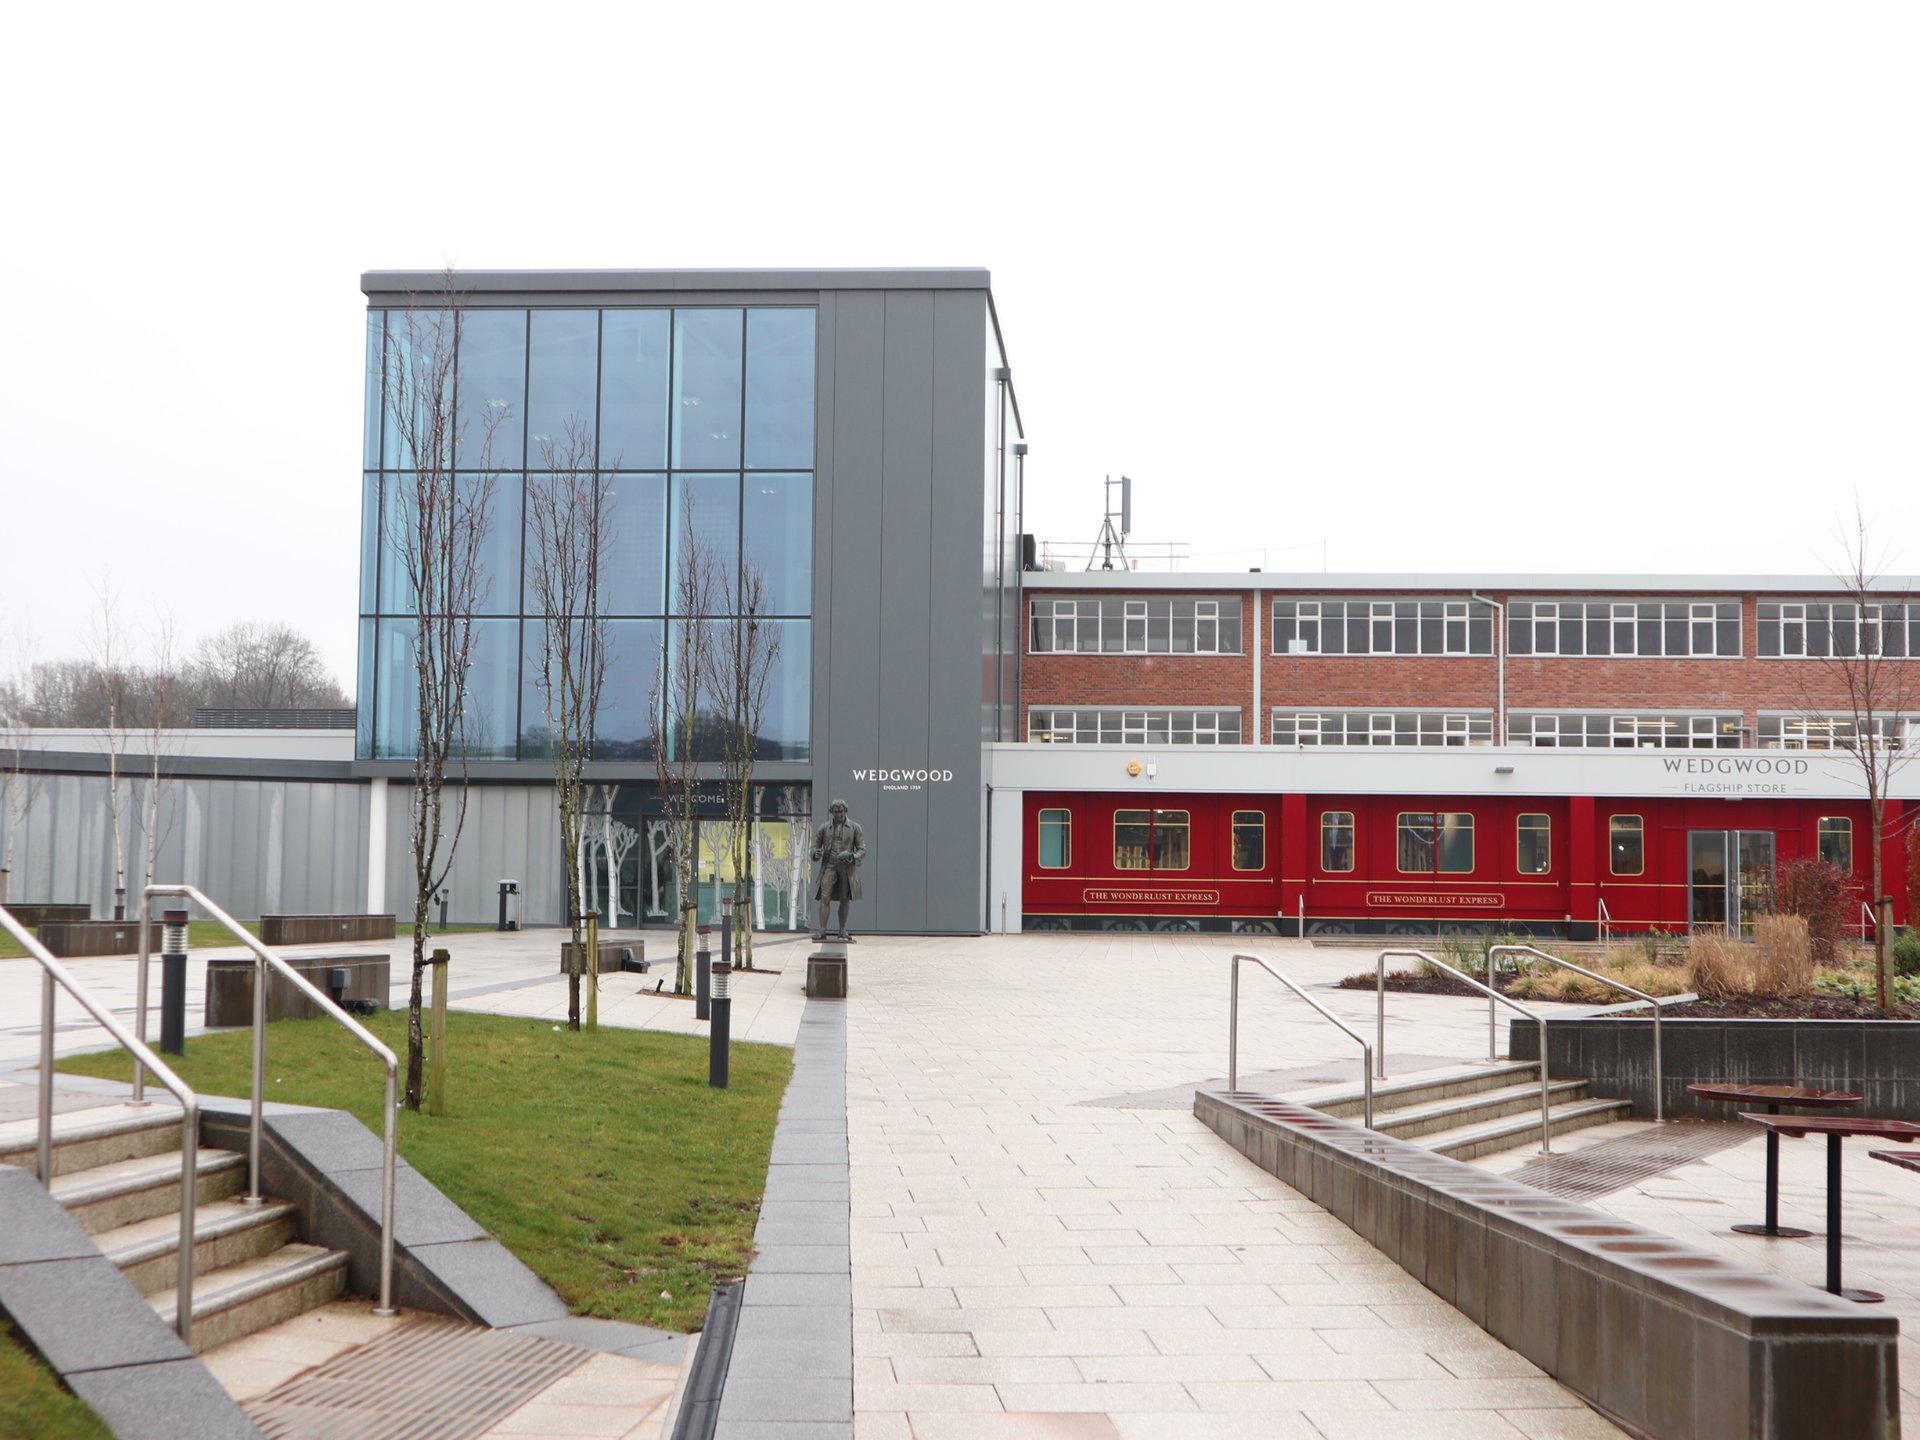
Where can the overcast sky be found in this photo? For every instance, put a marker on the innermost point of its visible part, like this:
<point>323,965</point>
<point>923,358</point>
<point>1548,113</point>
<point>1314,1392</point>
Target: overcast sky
<point>1626,287</point>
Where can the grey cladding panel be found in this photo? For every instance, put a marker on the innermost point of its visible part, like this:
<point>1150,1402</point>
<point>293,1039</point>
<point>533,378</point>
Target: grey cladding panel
<point>956,810</point>
<point>905,607</point>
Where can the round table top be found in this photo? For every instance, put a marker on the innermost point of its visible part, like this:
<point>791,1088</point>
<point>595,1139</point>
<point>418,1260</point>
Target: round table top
<point>1800,1095</point>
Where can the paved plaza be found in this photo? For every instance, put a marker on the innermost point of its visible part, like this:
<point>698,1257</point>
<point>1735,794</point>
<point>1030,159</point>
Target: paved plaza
<point>1045,1242</point>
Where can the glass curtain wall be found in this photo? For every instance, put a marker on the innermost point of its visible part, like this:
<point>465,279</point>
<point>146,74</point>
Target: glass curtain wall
<point>693,412</point>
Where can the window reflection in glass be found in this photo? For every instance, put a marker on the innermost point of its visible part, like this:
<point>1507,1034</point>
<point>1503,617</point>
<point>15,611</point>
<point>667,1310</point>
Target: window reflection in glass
<point>397,691</point>
<point>1336,840</point>
<point>706,369</point>
<point>493,690</point>
<point>1435,842</point>
<point>1056,839</point>
<point>788,724</point>
<point>376,342</point>
<point>1249,840</point>
<point>636,528</point>
<point>1151,840</point>
<point>779,408</point>
<point>369,544</point>
<point>712,502</point>
<point>777,524</point>
<point>635,363</point>
<point>563,365</point>
<point>1533,844</point>
<point>1836,841</point>
<point>1626,849</point>
<point>497,586</point>
<point>491,390</point>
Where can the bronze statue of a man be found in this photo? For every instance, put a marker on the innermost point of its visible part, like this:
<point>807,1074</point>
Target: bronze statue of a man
<point>841,845</point>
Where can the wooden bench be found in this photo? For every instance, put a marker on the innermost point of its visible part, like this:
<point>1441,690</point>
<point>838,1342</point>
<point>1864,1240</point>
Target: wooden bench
<point>41,913</point>
<point>319,929</point>
<point>230,986</point>
<point>628,954</point>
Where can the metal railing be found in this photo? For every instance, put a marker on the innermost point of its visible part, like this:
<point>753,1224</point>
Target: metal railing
<point>1603,920</point>
<point>266,959</point>
<point>52,972</point>
<point>1867,917</point>
<point>1233,1029</point>
<point>1380,1026</point>
<point>1607,980</point>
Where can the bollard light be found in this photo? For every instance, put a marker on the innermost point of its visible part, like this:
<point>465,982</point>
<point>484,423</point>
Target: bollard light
<point>173,980</point>
<point>720,1038</point>
<point>702,973</point>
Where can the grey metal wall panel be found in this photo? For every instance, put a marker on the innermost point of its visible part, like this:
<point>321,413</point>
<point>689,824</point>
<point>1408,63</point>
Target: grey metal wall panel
<point>955,808</point>
<point>905,601</point>
<point>848,671</point>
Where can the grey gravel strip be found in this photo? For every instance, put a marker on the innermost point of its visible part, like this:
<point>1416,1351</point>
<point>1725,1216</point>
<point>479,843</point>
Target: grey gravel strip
<point>792,1363</point>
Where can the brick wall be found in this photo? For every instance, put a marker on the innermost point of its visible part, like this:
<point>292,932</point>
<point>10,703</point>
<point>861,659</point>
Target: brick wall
<point>1747,685</point>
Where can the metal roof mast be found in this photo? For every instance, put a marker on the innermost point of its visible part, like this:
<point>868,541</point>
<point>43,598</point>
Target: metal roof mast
<point>1110,539</point>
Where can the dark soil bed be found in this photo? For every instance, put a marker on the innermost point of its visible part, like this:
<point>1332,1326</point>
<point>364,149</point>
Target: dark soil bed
<point>1808,1007</point>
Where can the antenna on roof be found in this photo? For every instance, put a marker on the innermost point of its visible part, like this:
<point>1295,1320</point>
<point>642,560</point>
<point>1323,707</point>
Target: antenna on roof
<point>1110,538</point>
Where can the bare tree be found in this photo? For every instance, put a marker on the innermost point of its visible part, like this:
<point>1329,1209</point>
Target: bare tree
<point>262,665</point>
<point>680,724</point>
<point>567,511</point>
<point>436,526</point>
<point>161,721</point>
<point>1879,692</point>
<point>747,645</point>
<point>106,644</point>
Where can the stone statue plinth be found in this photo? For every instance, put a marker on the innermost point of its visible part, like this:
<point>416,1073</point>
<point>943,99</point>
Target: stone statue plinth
<point>827,971</point>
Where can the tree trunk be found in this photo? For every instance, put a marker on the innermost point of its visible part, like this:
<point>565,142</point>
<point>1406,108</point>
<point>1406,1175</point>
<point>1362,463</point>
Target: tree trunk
<point>416,1041</point>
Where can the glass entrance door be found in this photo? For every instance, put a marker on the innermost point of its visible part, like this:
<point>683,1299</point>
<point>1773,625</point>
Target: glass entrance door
<point>1729,878</point>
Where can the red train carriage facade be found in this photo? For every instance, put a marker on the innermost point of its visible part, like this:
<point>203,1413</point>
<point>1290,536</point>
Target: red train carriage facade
<point>1400,864</point>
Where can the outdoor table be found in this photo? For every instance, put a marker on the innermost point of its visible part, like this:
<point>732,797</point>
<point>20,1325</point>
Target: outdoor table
<point>1905,1162</point>
<point>1773,1097</point>
<point>1836,1128</point>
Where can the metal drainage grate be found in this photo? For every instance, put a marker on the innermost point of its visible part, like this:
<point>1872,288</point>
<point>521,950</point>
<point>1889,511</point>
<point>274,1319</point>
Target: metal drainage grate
<point>1610,1165</point>
<point>431,1380</point>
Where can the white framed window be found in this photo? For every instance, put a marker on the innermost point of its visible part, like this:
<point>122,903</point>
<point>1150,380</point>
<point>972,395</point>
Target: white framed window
<point>1133,625</point>
<point>1387,625</point>
<point>1648,628</point>
<point>1119,725</point>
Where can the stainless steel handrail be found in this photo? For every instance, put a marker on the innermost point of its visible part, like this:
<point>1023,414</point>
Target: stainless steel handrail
<point>1659,1112</point>
<point>1867,917</point>
<point>1380,1026</point>
<point>1233,1029</point>
<point>52,971</point>
<point>265,959</point>
<point>1603,920</point>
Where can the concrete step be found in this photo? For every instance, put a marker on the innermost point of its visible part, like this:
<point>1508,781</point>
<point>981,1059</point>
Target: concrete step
<point>1414,1090</point>
<point>95,1137</point>
<point>109,1196</point>
<point>225,1233</point>
<point>1459,1111</point>
<point>237,1300</point>
<point>1468,1142</point>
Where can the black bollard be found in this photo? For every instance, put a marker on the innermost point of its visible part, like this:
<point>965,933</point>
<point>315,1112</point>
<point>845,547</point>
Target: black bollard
<point>721,1035</point>
<point>702,975</point>
<point>173,981</point>
<point>726,930</point>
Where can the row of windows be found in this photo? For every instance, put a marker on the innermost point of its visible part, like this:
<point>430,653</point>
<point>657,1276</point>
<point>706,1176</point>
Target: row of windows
<point>1381,727</point>
<point>1134,727</point>
<point>1817,629</point>
<point>1828,732</point>
<point>1641,628</point>
<point>1137,626</point>
<point>1382,627</point>
<point>1624,627</point>
<point>624,389</point>
<point>1428,842</point>
<point>1601,731</point>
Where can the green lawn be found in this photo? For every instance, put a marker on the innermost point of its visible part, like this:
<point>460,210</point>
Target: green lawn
<point>32,1404</point>
<point>604,1161</point>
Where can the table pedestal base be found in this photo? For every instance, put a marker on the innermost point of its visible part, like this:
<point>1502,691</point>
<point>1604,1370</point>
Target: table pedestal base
<point>1775,1232</point>
<point>1862,1297</point>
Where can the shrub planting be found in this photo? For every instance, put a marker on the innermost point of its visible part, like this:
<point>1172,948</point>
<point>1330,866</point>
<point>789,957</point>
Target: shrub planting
<point>1823,896</point>
<point>1783,956</point>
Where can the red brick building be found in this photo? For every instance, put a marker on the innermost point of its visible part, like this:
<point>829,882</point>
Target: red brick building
<point>1515,744</point>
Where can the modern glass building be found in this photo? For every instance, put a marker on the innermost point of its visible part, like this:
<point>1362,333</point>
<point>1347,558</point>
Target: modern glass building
<point>849,435</point>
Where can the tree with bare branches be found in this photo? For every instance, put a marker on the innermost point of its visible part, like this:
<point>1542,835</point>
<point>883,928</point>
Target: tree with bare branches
<point>436,526</point>
<point>746,646</point>
<point>262,665</point>
<point>567,513</point>
<point>679,720</point>
<point>162,721</point>
<point>105,644</point>
<point>1879,691</point>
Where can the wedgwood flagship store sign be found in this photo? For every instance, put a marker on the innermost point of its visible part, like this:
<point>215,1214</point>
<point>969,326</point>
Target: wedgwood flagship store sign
<point>1737,774</point>
<point>904,779</point>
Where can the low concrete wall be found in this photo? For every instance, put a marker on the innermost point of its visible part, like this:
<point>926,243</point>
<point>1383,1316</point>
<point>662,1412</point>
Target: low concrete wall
<point>96,937</point>
<point>1671,1341</point>
<point>40,914</point>
<point>1877,1059</point>
<point>230,986</point>
<point>319,929</point>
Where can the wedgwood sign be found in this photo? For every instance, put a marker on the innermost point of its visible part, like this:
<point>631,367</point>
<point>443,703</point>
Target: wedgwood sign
<point>1738,774</point>
<point>904,779</point>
